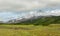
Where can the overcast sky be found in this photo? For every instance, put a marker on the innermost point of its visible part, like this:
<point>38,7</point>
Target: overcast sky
<point>18,5</point>
<point>24,5</point>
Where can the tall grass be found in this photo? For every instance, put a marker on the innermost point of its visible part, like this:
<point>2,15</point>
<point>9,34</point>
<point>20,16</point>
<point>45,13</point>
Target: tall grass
<point>29,30</point>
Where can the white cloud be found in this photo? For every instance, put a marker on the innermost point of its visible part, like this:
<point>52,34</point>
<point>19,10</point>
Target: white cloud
<point>50,13</point>
<point>11,15</point>
<point>18,5</point>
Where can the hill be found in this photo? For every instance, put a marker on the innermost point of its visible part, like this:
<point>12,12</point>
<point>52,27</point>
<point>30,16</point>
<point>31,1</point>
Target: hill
<point>43,20</point>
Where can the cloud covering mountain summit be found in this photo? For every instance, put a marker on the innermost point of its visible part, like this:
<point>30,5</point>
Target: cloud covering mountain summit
<point>13,15</point>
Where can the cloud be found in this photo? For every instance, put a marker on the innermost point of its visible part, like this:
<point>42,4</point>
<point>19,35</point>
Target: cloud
<point>49,13</point>
<point>25,5</point>
<point>18,5</point>
<point>12,15</point>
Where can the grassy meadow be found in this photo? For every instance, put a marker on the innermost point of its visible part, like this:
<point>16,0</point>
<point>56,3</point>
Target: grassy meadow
<point>30,30</point>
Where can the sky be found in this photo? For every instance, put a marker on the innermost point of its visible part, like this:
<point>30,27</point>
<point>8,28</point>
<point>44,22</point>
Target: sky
<point>10,9</point>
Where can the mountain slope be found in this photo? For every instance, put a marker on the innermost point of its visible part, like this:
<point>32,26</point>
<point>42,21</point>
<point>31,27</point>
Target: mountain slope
<point>43,20</point>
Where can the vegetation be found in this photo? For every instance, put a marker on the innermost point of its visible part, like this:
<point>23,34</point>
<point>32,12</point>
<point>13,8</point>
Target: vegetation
<point>43,21</point>
<point>29,30</point>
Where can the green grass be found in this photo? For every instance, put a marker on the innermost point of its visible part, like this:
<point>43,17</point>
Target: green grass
<point>29,30</point>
